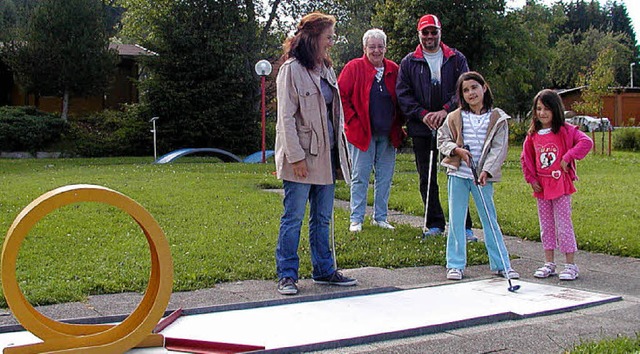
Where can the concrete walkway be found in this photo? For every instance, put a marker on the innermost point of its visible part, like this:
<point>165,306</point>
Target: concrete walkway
<point>547,334</point>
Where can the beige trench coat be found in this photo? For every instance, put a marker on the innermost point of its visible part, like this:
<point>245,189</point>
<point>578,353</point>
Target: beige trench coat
<point>301,128</point>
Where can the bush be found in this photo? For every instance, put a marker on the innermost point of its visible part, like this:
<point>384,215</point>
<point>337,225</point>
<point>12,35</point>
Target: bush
<point>518,131</point>
<point>627,139</point>
<point>27,129</point>
<point>112,133</point>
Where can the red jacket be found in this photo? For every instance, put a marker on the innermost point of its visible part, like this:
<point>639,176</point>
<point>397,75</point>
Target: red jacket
<point>355,83</point>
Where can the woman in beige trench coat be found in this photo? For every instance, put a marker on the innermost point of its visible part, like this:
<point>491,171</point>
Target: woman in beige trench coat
<point>310,150</point>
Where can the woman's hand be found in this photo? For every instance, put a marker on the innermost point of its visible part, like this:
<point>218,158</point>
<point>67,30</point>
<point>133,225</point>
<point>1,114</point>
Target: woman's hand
<point>300,169</point>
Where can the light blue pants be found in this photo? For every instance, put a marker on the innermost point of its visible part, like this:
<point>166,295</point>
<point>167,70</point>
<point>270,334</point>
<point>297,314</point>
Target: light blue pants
<point>459,189</point>
<point>381,158</point>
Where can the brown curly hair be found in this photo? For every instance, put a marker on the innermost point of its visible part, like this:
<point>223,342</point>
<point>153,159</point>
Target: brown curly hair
<point>304,43</point>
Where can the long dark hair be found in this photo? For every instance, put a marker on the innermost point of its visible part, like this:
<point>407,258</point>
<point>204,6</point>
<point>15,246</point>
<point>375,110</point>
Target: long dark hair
<point>487,101</point>
<point>553,102</point>
<point>304,44</point>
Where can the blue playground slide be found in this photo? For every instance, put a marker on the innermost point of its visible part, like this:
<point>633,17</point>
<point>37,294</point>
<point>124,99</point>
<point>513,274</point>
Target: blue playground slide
<point>223,155</point>
<point>219,153</point>
<point>256,157</point>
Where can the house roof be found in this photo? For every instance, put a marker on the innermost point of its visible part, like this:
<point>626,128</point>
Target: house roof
<point>619,89</point>
<point>571,90</point>
<point>131,50</point>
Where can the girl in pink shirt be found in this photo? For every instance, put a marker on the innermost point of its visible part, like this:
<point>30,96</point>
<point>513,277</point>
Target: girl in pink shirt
<point>548,160</point>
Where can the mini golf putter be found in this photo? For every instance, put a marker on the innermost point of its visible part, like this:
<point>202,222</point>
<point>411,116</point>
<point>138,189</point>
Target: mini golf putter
<point>476,181</point>
<point>425,229</point>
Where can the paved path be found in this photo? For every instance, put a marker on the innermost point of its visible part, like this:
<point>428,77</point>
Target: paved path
<point>546,334</point>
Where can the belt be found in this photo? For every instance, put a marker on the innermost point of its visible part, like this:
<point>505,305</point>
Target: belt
<point>554,174</point>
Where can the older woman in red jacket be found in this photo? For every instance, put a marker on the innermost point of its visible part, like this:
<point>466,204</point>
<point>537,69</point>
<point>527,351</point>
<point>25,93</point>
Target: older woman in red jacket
<point>373,126</point>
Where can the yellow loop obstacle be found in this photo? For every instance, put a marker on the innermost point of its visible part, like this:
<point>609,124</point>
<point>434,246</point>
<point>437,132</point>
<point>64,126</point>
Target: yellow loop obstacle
<point>58,337</point>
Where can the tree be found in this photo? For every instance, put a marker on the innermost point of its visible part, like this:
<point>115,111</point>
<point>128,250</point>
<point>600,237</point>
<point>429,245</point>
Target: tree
<point>206,65</point>
<point>523,52</point>
<point>575,53</point>
<point>141,19</point>
<point>597,81</point>
<point>581,17</point>
<point>14,15</point>
<point>510,48</point>
<point>64,51</point>
<point>354,18</point>
<point>8,19</point>
<point>202,83</point>
<point>620,21</point>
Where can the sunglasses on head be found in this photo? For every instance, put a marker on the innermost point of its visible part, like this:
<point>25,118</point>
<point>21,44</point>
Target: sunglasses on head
<point>433,33</point>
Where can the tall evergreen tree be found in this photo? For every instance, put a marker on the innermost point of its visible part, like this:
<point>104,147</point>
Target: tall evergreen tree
<point>581,16</point>
<point>203,85</point>
<point>620,22</point>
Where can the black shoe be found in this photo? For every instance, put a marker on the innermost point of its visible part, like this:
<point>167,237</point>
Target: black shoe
<point>336,279</point>
<point>287,286</point>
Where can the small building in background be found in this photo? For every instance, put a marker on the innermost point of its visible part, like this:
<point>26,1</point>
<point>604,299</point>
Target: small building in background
<point>621,106</point>
<point>122,89</point>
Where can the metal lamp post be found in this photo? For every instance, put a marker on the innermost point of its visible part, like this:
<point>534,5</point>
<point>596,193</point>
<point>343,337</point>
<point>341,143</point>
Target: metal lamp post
<point>631,72</point>
<point>263,68</point>
<point>153,121</point>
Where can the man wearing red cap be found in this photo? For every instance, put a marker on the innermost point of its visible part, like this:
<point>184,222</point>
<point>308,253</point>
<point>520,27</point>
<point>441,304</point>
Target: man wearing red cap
<point>426,90</point>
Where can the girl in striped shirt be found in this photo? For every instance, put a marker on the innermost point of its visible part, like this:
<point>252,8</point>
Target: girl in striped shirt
<point>480,132</point>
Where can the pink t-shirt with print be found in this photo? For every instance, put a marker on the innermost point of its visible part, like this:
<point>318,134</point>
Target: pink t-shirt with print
<point>553,180</point>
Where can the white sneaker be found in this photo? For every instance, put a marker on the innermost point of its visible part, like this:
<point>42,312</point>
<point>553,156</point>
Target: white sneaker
<point>355,227</point>
<point>455,274</point>
<point>383,224</point>
<point>512,274</point>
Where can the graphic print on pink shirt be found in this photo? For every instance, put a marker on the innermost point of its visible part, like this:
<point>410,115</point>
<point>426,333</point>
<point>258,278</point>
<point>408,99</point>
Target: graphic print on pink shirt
<point>549,154</point>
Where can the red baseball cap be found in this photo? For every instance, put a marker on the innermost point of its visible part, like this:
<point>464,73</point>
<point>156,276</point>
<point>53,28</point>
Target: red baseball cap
<point>428,21</point>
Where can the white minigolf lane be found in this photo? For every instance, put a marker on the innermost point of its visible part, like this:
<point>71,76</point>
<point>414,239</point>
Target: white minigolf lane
<point>366,318</point>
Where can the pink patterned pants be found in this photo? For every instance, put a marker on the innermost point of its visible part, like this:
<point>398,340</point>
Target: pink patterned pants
<point>556,227</point>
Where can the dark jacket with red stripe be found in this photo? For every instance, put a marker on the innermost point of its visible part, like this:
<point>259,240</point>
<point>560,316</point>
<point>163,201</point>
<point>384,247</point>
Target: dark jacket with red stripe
<point>413,87</point>
<point>355,83</point>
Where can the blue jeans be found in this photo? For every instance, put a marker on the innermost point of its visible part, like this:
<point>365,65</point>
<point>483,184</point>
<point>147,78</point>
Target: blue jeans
<point>381,157</point>
<point>459,189</point>
<point>320,199</point>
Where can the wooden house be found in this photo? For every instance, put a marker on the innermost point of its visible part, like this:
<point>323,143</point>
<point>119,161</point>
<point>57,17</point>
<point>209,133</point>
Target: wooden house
<point>621,105</point>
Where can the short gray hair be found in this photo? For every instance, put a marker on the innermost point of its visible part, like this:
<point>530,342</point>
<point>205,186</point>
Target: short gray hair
<point>374,33</point>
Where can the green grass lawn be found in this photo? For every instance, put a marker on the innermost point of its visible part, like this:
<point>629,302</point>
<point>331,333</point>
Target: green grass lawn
<point>618,345</point>
<point>222,227</point>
